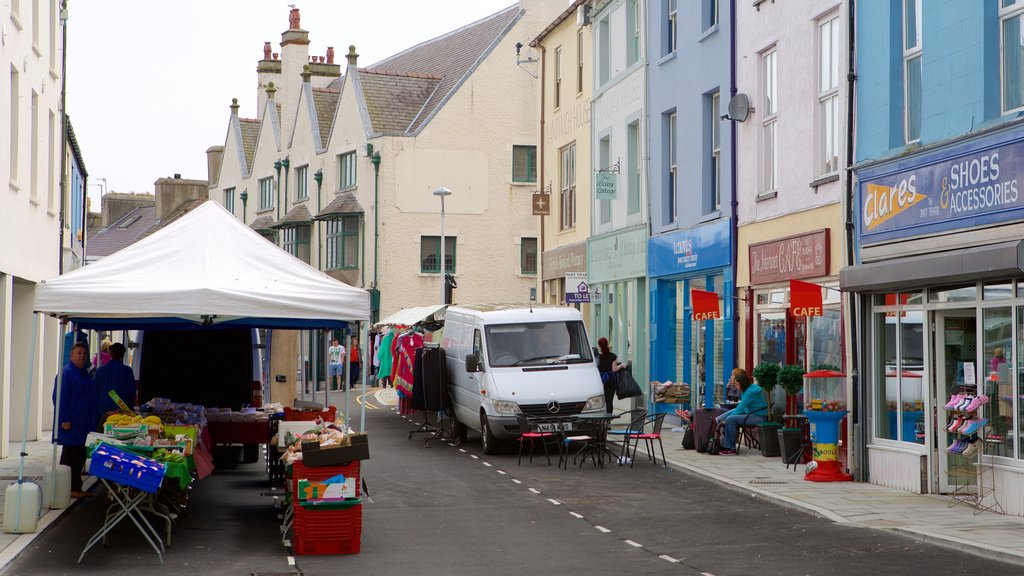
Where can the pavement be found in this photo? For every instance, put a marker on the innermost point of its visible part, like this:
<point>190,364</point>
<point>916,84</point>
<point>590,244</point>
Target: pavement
<point>926,517</point>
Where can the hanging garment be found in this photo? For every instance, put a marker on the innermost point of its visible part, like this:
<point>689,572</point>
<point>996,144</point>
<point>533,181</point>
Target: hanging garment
<point>407,345</point>
<point>418,387</point>
<point>384,355</point>
<point>376,350</point>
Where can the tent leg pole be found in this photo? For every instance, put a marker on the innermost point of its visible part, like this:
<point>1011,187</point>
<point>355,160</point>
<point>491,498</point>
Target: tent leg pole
<point>364,341</point>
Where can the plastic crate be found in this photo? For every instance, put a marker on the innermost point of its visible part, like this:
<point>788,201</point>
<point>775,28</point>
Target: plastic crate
<point>126,468</point>
<point>317,531</point>
<point>293,415</point>
<point>299,471</point>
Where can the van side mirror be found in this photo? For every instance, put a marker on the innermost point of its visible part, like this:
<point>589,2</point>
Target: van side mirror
<point>472,363</point>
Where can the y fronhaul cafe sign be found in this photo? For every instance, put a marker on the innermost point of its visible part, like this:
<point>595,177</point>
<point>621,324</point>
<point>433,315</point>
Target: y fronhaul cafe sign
<point>942,192</point>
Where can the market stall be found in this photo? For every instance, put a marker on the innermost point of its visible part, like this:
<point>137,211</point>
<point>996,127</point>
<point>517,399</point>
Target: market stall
<point>205,271</point>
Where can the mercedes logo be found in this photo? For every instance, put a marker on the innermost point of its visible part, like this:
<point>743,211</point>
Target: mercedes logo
<point>553,407</point>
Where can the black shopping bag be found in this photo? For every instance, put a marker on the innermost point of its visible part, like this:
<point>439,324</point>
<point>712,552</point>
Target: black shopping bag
<point>626,386</point>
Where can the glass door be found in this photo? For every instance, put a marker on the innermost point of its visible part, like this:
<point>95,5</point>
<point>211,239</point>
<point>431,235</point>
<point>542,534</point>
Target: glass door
<point>956,372</point>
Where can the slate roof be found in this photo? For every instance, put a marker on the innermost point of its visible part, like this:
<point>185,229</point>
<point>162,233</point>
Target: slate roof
<point>297,215</point>
<point>445,61</point>
<point>262,223</point>
<point>325,102</point>
<point>250,133</point>
<point>125,231</point>
<point>343,203</point>
<point>178,212</point>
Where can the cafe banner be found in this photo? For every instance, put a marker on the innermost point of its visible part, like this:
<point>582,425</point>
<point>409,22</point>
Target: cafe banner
<point>804,298</point>
<point>705,305</point>
<point>963,185</point>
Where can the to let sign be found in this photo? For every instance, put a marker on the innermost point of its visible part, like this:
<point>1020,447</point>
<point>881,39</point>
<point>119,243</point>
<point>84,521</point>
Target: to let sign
<point>802,256</point>
<point>605,183</point>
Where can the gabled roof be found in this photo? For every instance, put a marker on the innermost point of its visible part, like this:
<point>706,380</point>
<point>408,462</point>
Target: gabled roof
<point>250,134</point>
<point>325,101</point>
<point>126,230</point>
<point>395,100</point>
<point>344,203</point>
<point>446,60</point>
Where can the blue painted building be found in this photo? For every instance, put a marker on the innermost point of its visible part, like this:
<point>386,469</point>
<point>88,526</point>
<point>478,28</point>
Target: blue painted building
<point>691,191</point>
<point>938,204</point>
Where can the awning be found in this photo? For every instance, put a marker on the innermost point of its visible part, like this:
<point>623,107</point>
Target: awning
<point>296,216</point>
<point>344,204</point>
<point>413,315</point>
<point>262,223</point>
<point>990,262</point>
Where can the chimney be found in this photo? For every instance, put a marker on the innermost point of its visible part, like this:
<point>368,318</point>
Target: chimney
<point>330,54</point>
<point>270,91</point>
<point>294,54</point>
<point>266,50</point>
<point>352,56</point>
<point>113,206</point>
<point>172,193</point>
<point>293,19</point>
<point>214,157</point>
<point>234,106</point>
<point>306,73</point>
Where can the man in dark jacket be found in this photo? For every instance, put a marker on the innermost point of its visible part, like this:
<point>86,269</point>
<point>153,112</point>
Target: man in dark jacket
<point>76,414</point>
<point>114,376</point>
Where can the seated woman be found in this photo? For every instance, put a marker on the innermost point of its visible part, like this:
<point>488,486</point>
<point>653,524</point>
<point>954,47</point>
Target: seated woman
<point>752,409</point>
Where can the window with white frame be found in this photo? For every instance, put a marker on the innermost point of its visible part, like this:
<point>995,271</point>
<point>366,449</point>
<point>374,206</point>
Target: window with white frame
<point>54,20</point>
<point>672,175</point>
<point>288,241</point>
<point>912,70</point>
<point>828,96</point>
<point>710,14</point>
<point>266,193</point>
<point>524,163</point>
<point>634,148</point>
<point>15,116</point>
<point>1011,13</point>
<point>558,77</point>
<point>295,241</point>
<point>342,243</point>
<point>229,200</point>
<point>633,17</point>
<point>346,171</point>
<point>301,183</point>
<point>671,34</point>
<point>579,61</point>
<point>33,151</point>
<point>36,21</point>
<point>769,132</point>
<point>567,187</point>
<point>603,51</point>
<point>715,146</point>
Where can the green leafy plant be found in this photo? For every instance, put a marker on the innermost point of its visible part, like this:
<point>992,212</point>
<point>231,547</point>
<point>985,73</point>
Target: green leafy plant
<point>791,378</point>
<point>829,367</point>
<point>767,376</point>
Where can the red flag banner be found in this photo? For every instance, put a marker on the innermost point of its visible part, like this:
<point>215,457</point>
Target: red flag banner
<point>705,305</point>
<point>804,298</point>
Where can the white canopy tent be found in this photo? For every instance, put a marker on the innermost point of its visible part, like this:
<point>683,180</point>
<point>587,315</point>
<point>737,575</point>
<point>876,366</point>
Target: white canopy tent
<point>207,268</point>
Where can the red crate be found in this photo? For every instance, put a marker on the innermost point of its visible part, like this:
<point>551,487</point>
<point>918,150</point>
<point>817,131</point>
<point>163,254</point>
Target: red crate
<point>327,531</point>
<point>293,415</point>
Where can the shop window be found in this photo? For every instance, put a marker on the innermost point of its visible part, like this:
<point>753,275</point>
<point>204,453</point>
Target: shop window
<point>998,384</point>
<point>954,294</point>
<point>825,347</point>
<point>899,376</point>
<point>1018,398</point>
<point>998,290</point>
<point>771,332</point>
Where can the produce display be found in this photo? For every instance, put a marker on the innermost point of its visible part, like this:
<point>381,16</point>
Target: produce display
<point>326,435</point>
<point>175,413</point>
<point>165,455</point>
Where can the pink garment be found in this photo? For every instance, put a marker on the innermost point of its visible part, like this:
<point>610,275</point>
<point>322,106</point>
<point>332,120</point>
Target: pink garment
<point>407,345</point>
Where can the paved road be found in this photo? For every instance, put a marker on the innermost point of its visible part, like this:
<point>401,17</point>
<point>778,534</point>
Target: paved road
<point>440,510</point>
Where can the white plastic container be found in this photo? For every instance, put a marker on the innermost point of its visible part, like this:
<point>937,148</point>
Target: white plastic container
<point>57,491</point>
<point>21,507</point>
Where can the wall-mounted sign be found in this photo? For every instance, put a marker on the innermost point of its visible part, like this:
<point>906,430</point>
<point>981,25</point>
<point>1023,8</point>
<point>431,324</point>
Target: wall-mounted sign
<point>569,258</point>
<point>541,204</point>
<point>962,185</point>
<point>705,305</point>
<point>802,256</point>
<point>605,184</point>
<point>577,289</point>
<point>705,247</point>
<point>804,298</point>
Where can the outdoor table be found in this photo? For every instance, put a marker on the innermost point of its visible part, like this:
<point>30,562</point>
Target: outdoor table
<point>596,426</point>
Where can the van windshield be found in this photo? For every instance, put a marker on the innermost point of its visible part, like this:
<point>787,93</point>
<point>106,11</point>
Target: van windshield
<point>537,343</point>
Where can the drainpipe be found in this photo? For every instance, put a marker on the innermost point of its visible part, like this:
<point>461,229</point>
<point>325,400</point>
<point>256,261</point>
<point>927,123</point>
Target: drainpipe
<point>245,198</point>
<point>285,163</point>
<point>277,168</point>
<point>733,196</point>
<point>375,160</point>
<point>540,175</point>
<point>860,395</point>
<point>318,177</point>
<point>63,138</point>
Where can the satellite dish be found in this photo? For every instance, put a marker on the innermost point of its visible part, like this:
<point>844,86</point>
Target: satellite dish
<point>739,107</point>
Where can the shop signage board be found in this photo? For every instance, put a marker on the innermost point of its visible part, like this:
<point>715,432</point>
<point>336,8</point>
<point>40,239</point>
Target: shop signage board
<point>804,298</point>
<point>800,256</point>
<point>541,204</point>
<point>558,261</point>
<point>620,255</point>
<point>701,248</point>
<point>969,183</point>
<point>577,289</point>
<point>605,184</point>
<point>705,305</point>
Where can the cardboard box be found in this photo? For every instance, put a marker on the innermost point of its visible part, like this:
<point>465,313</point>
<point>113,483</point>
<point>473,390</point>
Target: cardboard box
<point>125,432</point>
<point>313,490</point>
<point>335,455</point>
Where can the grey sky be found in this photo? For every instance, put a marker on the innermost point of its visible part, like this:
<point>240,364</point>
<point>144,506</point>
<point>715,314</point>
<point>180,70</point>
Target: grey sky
<point>149,82</point>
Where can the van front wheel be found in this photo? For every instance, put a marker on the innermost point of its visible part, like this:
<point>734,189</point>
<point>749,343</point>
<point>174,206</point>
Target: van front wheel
<point>489,441</point>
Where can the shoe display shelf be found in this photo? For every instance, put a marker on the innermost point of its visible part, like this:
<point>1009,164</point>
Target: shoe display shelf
<point>972,477</point>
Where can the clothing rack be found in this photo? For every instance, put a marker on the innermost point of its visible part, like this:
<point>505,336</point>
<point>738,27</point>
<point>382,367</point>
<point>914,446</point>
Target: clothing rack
<point>430,394</point>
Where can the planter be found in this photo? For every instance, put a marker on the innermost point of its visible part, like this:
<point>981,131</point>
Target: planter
<point>791,442</point>
<point>770,438</point>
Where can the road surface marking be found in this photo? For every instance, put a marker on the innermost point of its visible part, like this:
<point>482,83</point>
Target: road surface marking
<point>474,456</point>
<point>517,481</point>
<point>634,544</point>
<point>576,515</point>
<point>500,471</point>
<point>291,561</point>
<point>487,463</point>
<point>555,502</point>
<point>602,529</point>
<point>463,450</point>
<point>669,558</point>
<point>534,490</point>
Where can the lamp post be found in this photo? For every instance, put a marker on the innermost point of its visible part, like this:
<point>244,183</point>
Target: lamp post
<point>442,192</point>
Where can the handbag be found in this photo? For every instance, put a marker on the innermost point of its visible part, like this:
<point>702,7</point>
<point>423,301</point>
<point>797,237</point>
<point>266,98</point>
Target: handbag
<point>688,441</point>
<point>626,386</point>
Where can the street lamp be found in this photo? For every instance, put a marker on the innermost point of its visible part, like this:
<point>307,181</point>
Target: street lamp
<point>442,192</point>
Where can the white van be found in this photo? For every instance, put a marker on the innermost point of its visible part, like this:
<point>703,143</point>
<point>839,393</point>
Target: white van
<point>507,359</point>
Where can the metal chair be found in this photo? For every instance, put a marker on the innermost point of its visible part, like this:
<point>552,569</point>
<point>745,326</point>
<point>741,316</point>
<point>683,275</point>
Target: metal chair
<point>566,438</point>
<point>636,426</point>
<point>529,430</point>
<point>631,416</point>
<point>649,431</point>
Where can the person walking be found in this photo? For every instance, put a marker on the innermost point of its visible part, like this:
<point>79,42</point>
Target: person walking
<point>76,414</point>
<point>607,364</point>
<point>114,376</point>
<point>353,362</point>
<point>335,353</point>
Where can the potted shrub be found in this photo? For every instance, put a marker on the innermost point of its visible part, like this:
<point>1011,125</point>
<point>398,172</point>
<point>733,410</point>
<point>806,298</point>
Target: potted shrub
<point>791,378</point>
<point>767,376</point>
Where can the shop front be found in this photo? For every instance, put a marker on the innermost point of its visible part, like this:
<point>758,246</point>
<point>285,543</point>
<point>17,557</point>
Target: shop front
<point>562,263</point>
<point>940,291</point>
<point>696,349</point>
<point>617,269</point>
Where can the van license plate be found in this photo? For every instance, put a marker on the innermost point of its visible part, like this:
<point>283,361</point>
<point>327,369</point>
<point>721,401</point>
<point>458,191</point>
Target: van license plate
<point>552,427</point>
